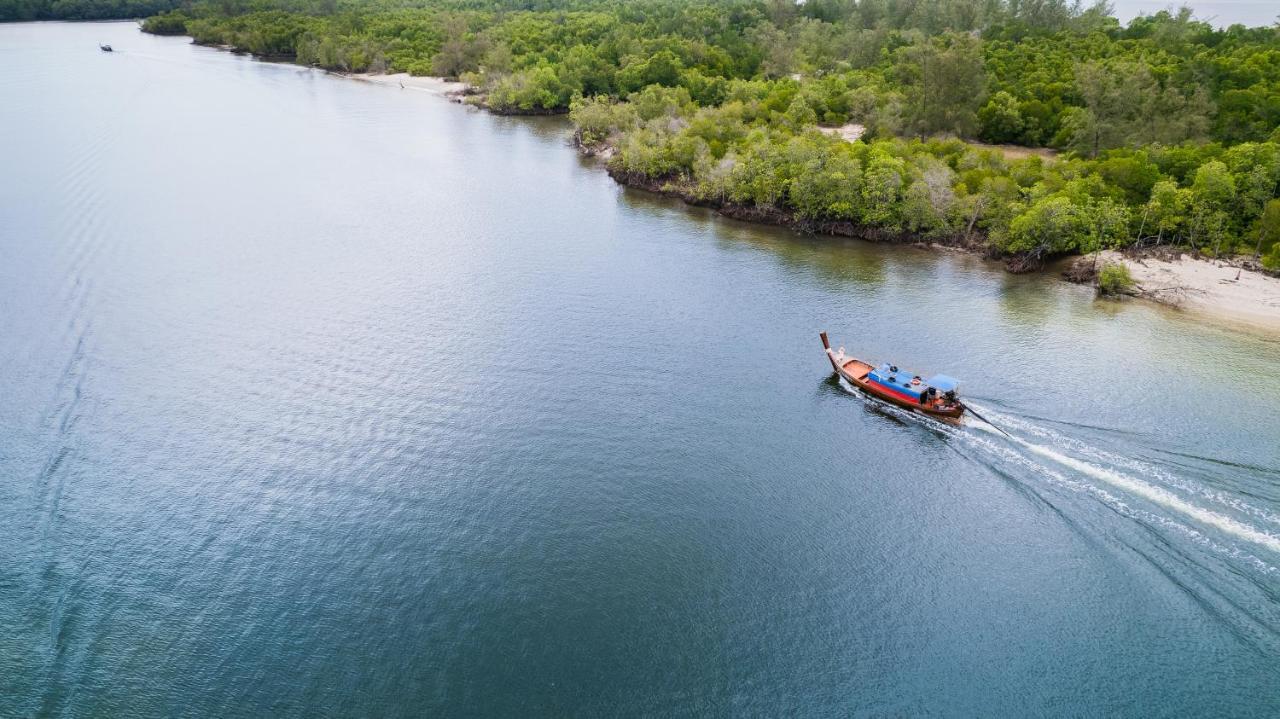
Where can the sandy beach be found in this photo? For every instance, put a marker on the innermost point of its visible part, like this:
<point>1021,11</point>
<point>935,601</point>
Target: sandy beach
<point>1211,289</point>
<point>434,85</point>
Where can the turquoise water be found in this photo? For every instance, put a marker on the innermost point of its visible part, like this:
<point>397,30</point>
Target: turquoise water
<point>328,399</point>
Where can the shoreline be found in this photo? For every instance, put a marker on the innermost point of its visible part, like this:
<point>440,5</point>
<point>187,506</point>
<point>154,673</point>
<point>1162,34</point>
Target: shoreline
<point>455,90</point>
<point>452,89</point>
<point>1209,289</point>
<point>1220,290</point>
<point>1199,287</point>
<point>784,218</point>
<point>1204,289</point>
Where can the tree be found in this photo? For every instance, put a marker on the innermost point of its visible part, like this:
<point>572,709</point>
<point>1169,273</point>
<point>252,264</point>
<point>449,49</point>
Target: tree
<point>1271,260</point>
<point>777,53</point>
<point>1053,225</point>
<point>645,152</point>
<point>661,68</point>
<point>829,186</point>
<point>1108,110</point>
<point>929,201</point>
<point>763,173</point>
<point>1166,211</point>
<point>1114,279</point>
<point>1133,174</point>
<point>881,191</point>
<point>1125,104</point>
<point>1268,229</point>
<point>949,88</point>
<point>1000,121</point>
<point>498,59</point>
<point>1211,194</point>
<point>596,118</point>
<point>537,88</point>
<point>460,52</point>
<point>781,12</point>
<point>1255,167</point>
<point>656,101</point>
<point>167,23</point>
<point>799,114</point>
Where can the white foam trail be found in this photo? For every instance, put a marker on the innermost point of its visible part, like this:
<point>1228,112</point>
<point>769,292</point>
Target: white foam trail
<point>1125,482</point>
<point>1159,496</point>
<point>1113,501</point>
<point>1056,478</point>
<point>1143,468</point>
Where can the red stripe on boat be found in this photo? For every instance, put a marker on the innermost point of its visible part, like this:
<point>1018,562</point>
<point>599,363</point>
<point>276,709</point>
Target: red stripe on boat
<point>900,395</point>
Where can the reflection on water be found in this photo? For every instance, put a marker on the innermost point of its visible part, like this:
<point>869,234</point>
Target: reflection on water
<point>325,398</point>
<point>834,262</point>
<point>1023,301</point>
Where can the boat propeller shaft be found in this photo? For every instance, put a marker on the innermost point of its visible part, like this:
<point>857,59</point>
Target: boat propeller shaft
<point>984,419</point>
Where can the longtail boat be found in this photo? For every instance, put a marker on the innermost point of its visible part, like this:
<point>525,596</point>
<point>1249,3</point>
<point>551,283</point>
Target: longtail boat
<point>936,396</point>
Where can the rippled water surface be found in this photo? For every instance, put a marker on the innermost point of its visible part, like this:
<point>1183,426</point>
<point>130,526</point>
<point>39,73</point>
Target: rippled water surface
<point>321,398</point>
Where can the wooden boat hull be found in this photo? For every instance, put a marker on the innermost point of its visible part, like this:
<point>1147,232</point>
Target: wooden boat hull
<point>855,371</point>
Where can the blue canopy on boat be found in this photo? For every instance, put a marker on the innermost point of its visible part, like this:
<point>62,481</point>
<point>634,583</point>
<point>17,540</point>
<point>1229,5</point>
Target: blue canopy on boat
<point>943,383</point>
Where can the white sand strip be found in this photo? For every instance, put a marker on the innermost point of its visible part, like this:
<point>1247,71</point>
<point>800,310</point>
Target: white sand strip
<point>434,85</point>
<point>1211,289</point>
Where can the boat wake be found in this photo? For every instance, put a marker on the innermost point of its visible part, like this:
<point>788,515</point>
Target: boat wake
<point>1228,525</point>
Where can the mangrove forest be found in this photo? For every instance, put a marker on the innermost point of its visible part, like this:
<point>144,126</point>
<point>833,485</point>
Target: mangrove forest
<point>1026,128</point>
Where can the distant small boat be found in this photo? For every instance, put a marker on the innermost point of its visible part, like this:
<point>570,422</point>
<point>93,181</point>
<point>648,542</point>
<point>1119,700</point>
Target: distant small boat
<point>105,48</point>
<point>936,396</point>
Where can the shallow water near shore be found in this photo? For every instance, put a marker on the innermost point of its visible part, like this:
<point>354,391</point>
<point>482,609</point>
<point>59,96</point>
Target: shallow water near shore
<point>325,398</point>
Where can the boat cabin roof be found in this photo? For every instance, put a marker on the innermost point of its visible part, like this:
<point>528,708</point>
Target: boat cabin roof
<point>943,383</point>
<point>901,380</point>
